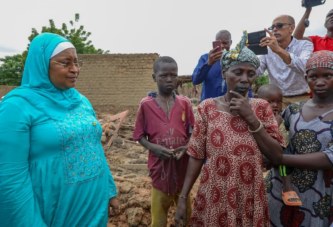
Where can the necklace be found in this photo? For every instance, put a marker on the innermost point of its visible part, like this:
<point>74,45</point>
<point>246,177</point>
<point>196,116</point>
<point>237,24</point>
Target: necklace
<point>167,103</point>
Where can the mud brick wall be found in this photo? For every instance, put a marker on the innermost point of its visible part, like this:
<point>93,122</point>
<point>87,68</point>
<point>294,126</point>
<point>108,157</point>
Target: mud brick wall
<point>4,89</point>
<point>115,82</point>
<point>116,79</point>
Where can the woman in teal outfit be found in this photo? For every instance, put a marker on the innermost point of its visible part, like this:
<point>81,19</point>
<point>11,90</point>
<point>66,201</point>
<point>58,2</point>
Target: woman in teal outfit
<point>53,171</point>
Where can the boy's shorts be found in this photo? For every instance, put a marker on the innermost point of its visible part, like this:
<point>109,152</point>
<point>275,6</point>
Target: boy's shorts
<point>160,204</point>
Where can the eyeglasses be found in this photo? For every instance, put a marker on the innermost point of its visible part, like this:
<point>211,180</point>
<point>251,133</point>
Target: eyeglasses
<point>278,26</point>
<point>67,64</point>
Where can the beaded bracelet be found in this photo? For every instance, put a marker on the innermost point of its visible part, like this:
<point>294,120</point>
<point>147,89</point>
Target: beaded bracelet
<point>258,129</point>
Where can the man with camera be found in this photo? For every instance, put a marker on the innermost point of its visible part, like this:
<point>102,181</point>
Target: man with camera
<point>286,59</point>
<point>208,70</point>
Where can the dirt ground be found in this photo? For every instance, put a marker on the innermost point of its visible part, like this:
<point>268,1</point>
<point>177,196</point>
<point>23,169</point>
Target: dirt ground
<point>128,163</point>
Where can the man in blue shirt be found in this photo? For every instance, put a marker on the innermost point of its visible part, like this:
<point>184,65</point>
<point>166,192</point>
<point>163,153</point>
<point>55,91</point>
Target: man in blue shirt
<point>208,70</point>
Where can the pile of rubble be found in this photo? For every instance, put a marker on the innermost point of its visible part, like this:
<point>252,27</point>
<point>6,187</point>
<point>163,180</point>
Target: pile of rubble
<point>128,162</point>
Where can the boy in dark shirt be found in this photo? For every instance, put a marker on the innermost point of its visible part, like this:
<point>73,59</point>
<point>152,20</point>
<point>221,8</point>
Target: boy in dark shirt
<point>163,125</point>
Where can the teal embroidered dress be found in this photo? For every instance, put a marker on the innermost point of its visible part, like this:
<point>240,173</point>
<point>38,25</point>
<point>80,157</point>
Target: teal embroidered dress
<point>53,171</point>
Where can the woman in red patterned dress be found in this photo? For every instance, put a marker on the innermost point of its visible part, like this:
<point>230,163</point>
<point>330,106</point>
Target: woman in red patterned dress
<point>229,133</point>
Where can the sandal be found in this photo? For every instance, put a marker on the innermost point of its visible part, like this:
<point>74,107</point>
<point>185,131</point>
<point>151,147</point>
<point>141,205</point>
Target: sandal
<point>291,198</point>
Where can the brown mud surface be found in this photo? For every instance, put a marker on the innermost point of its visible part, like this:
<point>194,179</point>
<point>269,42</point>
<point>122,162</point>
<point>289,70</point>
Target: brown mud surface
<point>128,163</point>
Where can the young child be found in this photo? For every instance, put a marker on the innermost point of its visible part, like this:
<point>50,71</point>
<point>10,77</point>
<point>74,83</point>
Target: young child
<point>163,125</point>
<point>273,95</point>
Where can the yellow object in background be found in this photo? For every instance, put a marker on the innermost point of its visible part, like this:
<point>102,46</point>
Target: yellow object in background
<point>183,116</point>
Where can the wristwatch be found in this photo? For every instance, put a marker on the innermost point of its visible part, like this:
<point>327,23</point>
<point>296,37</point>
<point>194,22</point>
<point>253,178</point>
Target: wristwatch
<point>306,23</point>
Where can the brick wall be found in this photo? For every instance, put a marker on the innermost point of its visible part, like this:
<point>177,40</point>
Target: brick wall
<point>116,79</point>
<point>114,82</point>
<point>4,89</point>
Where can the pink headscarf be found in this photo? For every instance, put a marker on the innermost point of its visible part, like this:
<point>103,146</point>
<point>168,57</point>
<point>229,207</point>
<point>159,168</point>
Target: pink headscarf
<point>320,59</point>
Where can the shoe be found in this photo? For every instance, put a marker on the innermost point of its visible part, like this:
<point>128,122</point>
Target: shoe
<point>291,198</point>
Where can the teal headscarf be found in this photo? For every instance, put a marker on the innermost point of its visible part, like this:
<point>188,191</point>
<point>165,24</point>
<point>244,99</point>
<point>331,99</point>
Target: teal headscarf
<point>239,55</point>
<point>36,86</point>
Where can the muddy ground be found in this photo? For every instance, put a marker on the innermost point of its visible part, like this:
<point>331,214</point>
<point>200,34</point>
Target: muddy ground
<point>128,163</point>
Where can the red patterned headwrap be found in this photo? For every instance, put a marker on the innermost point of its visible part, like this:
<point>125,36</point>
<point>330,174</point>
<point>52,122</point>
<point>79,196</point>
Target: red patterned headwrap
<point>320,59</point>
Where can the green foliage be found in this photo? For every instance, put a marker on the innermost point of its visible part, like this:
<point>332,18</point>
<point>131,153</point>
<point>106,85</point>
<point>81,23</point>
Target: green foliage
<point>12,68</point>
<point>260,80</point>
<point>74,33</point>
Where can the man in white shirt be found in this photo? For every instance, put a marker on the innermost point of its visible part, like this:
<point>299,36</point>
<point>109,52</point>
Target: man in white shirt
<point>286,59</point>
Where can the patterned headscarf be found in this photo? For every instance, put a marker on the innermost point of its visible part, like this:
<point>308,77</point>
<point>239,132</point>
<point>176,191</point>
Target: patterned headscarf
<point>320,59</point>
<point>238,55</point>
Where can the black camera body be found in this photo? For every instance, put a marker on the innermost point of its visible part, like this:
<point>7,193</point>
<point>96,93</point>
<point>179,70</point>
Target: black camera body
<point>312,3</point>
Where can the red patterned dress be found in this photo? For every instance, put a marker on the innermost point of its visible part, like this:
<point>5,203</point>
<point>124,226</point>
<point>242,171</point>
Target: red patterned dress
<point>231,191</point>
